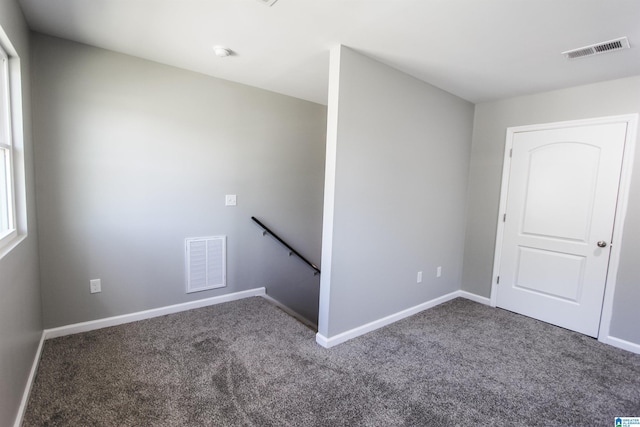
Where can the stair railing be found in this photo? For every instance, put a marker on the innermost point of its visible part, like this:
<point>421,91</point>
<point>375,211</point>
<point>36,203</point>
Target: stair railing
<point>267,230</point>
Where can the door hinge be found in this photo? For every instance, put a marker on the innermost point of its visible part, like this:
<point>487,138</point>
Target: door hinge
<point>498,280</point>
<point>511,152</point>
<point>504,218</point>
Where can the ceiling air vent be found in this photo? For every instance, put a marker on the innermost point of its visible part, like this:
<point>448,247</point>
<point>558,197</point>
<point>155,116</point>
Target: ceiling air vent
<point>598,48</point>
<point>267,2</point>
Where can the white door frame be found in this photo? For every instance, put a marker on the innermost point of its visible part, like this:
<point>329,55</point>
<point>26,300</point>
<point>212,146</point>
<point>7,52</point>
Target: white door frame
<point>621,209</point>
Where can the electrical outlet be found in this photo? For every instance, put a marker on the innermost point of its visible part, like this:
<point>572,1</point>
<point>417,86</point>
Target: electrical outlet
<point>439,271</point>
<point>419,279</point>
<point>230,200</point>
<point>95,286</point>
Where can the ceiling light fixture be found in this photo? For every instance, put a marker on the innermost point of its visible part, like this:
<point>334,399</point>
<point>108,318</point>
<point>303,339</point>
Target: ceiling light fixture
<point>268,2</point>
<point>221,51</point>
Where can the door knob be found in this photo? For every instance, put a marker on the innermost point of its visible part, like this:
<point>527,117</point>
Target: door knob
<point>602,244</point>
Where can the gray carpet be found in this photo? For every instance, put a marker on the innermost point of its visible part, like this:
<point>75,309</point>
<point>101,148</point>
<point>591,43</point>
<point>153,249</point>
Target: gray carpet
<point>246,363</point>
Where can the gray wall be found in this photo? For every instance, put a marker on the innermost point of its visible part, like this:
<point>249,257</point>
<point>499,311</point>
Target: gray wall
<point>133,156</point>
<point>402,155</point>
<point>491,121</point>
<point>20,312</point>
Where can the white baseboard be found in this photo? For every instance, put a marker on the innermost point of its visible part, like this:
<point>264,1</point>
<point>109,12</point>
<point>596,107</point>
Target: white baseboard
<point>377,324</point>
<point>148,314</point>
<point>612,341</point>
<point>474,297</point>
<point>320,339</point>
<point>119,320</point>
<point>27,389</point>
<point>290,312</point>
<point>620,343</point>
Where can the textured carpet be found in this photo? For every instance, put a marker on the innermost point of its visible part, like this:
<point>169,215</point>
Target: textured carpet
<point>246,363</point>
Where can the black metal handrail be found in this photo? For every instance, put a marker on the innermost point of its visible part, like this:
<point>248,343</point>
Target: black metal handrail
<point>291,250</point>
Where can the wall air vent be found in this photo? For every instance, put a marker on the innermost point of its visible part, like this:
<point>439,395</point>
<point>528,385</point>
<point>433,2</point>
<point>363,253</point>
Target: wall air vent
<point>206,263</point>
<point>598,48</point>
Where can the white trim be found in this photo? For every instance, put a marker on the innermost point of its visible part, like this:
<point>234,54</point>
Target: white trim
<point>473,297</point>
<point>377,324</point>
<point>17,143</point>
<point>11,243</point>
<point>620,343</point>
<point>290,312</point>
<point>329,187</point>
<point>91,325</point>
<point>27,389</point>
<point>7,142</point>
<point>504,190</point>
<point>119,320</point>
<point>621,213</point>
<point>621,209</point>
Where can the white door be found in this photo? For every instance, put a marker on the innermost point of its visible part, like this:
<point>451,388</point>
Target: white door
<point>560,211</point>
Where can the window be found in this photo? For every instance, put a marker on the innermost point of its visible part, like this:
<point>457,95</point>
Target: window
<point>7,185</point>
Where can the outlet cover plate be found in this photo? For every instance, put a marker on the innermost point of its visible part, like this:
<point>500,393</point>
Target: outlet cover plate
<point>95,286</point>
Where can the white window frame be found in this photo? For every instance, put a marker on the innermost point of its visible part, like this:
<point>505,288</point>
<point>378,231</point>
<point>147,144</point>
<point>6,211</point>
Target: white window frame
<point>6,144</point>
<point>12,143</point>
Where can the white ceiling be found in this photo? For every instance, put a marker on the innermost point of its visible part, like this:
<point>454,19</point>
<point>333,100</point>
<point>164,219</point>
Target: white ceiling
<point>479,50</point>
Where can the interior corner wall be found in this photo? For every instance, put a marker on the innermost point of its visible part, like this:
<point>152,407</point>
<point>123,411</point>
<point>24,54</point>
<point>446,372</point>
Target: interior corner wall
<point>133,156</point>
<point>401,154</point>
<point>491,121</point>
<point>20,307</point>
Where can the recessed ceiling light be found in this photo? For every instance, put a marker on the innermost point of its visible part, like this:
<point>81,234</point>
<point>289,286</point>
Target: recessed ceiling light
<point>221,51</point>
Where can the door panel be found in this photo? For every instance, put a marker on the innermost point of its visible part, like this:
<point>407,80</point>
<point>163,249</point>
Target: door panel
<point>570,196</point>
<point>550,273</point>
<point>563,186</point>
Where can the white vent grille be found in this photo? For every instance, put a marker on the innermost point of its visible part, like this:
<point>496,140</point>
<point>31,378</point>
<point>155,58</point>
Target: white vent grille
<point>268,2</point>
<point>598,48</point>
<point>206,263</point>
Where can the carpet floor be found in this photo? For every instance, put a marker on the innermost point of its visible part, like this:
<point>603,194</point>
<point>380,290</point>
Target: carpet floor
<point>246,363</point>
